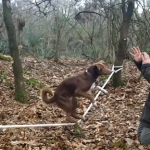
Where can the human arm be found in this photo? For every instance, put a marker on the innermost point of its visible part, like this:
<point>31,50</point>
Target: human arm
<point>138,64</point>
<point>146,66</point>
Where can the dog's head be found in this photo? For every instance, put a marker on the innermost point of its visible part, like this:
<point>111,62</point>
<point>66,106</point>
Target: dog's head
<point>98,69</point>
<point>101,69</point>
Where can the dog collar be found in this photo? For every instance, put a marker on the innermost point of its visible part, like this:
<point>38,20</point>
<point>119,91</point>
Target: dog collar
<point>89,74</point>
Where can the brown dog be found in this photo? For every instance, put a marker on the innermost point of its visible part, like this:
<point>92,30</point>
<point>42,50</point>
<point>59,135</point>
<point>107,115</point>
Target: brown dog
<point>70,88</point>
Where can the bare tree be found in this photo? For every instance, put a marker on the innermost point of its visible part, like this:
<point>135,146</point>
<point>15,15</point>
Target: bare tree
<point>21,24</point>
<point>20,94</point>
<point>120,55</point>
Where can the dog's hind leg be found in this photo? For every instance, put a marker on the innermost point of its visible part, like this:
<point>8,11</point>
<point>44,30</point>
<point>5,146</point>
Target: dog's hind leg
<point>65,103</point>
<point>68,118</point>
<point>74,106</point>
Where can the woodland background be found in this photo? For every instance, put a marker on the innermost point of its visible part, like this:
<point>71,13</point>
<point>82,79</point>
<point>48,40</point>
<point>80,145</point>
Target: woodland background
<point>52,26</point>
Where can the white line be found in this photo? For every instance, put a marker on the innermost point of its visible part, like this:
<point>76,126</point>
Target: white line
<point>103,90</point>
<point>35,125</point>
<point>118,70</point>
<point>118,66</point>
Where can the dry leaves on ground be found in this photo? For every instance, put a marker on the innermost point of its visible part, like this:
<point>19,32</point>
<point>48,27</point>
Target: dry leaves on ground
<point>112,126</point>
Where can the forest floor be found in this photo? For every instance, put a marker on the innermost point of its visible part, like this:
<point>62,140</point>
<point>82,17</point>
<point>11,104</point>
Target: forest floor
<point>111,126</point>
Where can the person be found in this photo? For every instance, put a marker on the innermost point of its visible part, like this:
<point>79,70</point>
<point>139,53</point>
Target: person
<point>142,61</point>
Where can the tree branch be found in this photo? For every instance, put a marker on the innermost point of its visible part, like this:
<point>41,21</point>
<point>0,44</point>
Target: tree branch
<point>123,8</point>
<point>37,4</point>
<point>130,9</point>
<point>90,12</point>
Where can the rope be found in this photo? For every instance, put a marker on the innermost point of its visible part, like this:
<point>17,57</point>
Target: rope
<point>35,125</point>
<point>67,124</point>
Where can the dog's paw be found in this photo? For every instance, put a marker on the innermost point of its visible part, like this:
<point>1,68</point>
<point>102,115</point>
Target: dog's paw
<point>71,120</point>
<point>95,104</point>
<point>84,119</point>
<point>80,122</point>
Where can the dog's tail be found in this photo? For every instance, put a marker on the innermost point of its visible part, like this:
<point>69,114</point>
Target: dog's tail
<point>44,97</point>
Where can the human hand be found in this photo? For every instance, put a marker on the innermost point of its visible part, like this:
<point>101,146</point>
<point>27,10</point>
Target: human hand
<point>136,54</point>
<point>145,58</point>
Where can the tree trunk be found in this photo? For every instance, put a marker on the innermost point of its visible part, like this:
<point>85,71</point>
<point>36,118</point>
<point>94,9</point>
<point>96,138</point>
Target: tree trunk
<point>120,55</point>
<point>20,94</point>
<point>57,46</point>
<point>21,25</point>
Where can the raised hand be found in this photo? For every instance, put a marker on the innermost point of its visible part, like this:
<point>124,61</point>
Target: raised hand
<point>136,54</point>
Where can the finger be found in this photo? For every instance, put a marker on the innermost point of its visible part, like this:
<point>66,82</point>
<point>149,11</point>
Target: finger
<point>145,55</point>
<point>134,50</point>
<point>138,49</point>
<point>132,55</point>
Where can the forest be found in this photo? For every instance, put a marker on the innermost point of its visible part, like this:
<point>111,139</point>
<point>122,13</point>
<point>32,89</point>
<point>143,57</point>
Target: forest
<point>43,42</point>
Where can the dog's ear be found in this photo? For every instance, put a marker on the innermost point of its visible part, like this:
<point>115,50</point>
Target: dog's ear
<point>99,66</point>
<point>96,68</point>
<point>100,62</point>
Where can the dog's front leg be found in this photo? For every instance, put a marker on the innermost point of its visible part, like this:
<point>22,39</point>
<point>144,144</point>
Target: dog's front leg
<point>83,94</point>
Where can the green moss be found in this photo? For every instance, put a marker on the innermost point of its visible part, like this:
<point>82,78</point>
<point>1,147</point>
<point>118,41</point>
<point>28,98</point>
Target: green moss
<point>78,130</point>
<point>120,144</point>
<point>5,57</point>
<point>117,82</point>
<point>21,97</point>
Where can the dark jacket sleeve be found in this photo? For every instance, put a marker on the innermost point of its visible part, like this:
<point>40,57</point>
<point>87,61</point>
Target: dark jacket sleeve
<point>138,64</point>
<point>146,71</point>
